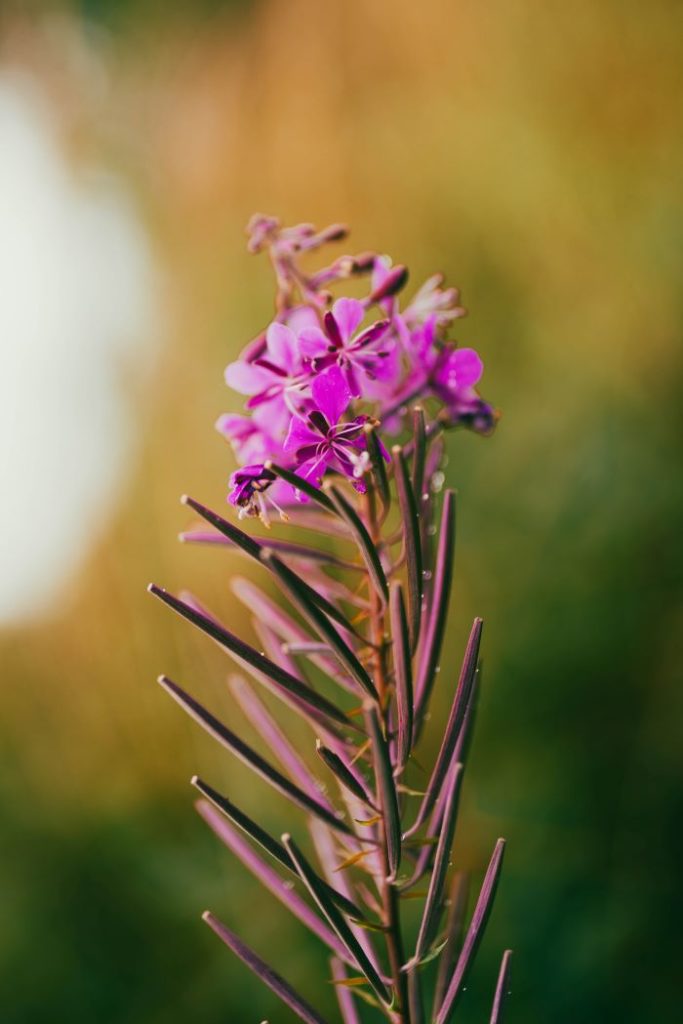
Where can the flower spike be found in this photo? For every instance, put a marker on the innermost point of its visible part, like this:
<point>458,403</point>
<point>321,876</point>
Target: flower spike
<point>351,636</point>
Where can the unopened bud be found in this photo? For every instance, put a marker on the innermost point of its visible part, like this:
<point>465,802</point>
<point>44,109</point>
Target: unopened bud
<point>392,283</point>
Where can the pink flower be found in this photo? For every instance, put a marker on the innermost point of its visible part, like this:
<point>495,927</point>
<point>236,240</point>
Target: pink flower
<point>453,380</point>
<point>276,376</point>
<point>319,441</point>
<point>362,358</point>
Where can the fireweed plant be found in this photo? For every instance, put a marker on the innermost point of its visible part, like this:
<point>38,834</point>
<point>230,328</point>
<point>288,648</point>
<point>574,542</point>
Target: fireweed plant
<point>348,400</point>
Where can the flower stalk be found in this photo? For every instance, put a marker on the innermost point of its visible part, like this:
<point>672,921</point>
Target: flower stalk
<point>355,651</point>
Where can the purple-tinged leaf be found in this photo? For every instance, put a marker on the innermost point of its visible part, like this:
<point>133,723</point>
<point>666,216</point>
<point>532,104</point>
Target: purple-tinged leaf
<point>335,918</point>
<point>432,640</point>
<point>431,914</point>
<point>474,935</point>
<point>462,745</point>
<point>268,976</point>
<point>363,540</point>
<point>251,758</point>
<point>379,467</point>
<point>273,648</point>
<point>344,995</point>
<point>403,675</point>
<point>457,908</point>
<point>337,881</point>
<point>299,484</point>
<point>255,550</point>
<point>419,453</point>
<point>228,530</point>
<point>310,517</point>
<point>341,770</point>
<point>270,614</point>
<point>290,584</point>
<point>267,842</point>
<point>411,539</point>
<point>290,549</point>
<point>282,890</point>
<point>307,647</point>
<point>275,739</point>
<point>425,854</point>
<point>253,658</point>
<point>386,792</point>
<point>502,989</point>
<point>453,727</point>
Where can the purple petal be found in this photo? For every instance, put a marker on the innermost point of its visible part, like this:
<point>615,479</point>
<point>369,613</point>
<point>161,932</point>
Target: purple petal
<point>468,367</point>
<point>331,394</point>
<point>300,436</point>
<point>348,314</point>
<point>313,343</point>
<point>282,347</point>
<point>247,378</point>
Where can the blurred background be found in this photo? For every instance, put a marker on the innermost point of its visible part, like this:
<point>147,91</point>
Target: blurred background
<point>531,151</point>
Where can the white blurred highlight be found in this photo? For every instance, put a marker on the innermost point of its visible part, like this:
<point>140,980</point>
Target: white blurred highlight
<point>76,309</point>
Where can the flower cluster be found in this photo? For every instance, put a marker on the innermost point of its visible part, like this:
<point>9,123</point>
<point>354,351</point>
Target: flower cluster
<point>324,370</point>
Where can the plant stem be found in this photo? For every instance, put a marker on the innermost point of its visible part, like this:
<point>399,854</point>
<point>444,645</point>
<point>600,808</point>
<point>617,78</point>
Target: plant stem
<point>388,892</point>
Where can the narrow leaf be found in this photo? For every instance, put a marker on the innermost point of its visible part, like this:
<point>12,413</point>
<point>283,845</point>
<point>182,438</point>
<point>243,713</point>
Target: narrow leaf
<point>268,976</point>
<point>251,758</point>
<point>266,841</point>
<point>272,734</point>
<point>453,727</point>
<point>474,935</point>
<point>363,540</point>
<point>253,657</point>
<point>430,839</point>
<point>455,924</point>
<point>343,772</point>
<point>386,791</point>
<point>411,538</point>
<point>270,614</point>
<point>419,452</point>
<point>432,640</point>
<point>378,464</point>
<point>284,547</point>
<point>255,550</point>
<point>502,989</point>
<point>403,675</point>
<point>270,879</point>
<point>353,858</point>
<point>325,848</point>
<point>433,904</point>
<point>291,585</point>
<point>335,918</point>
<point>298,482</point>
